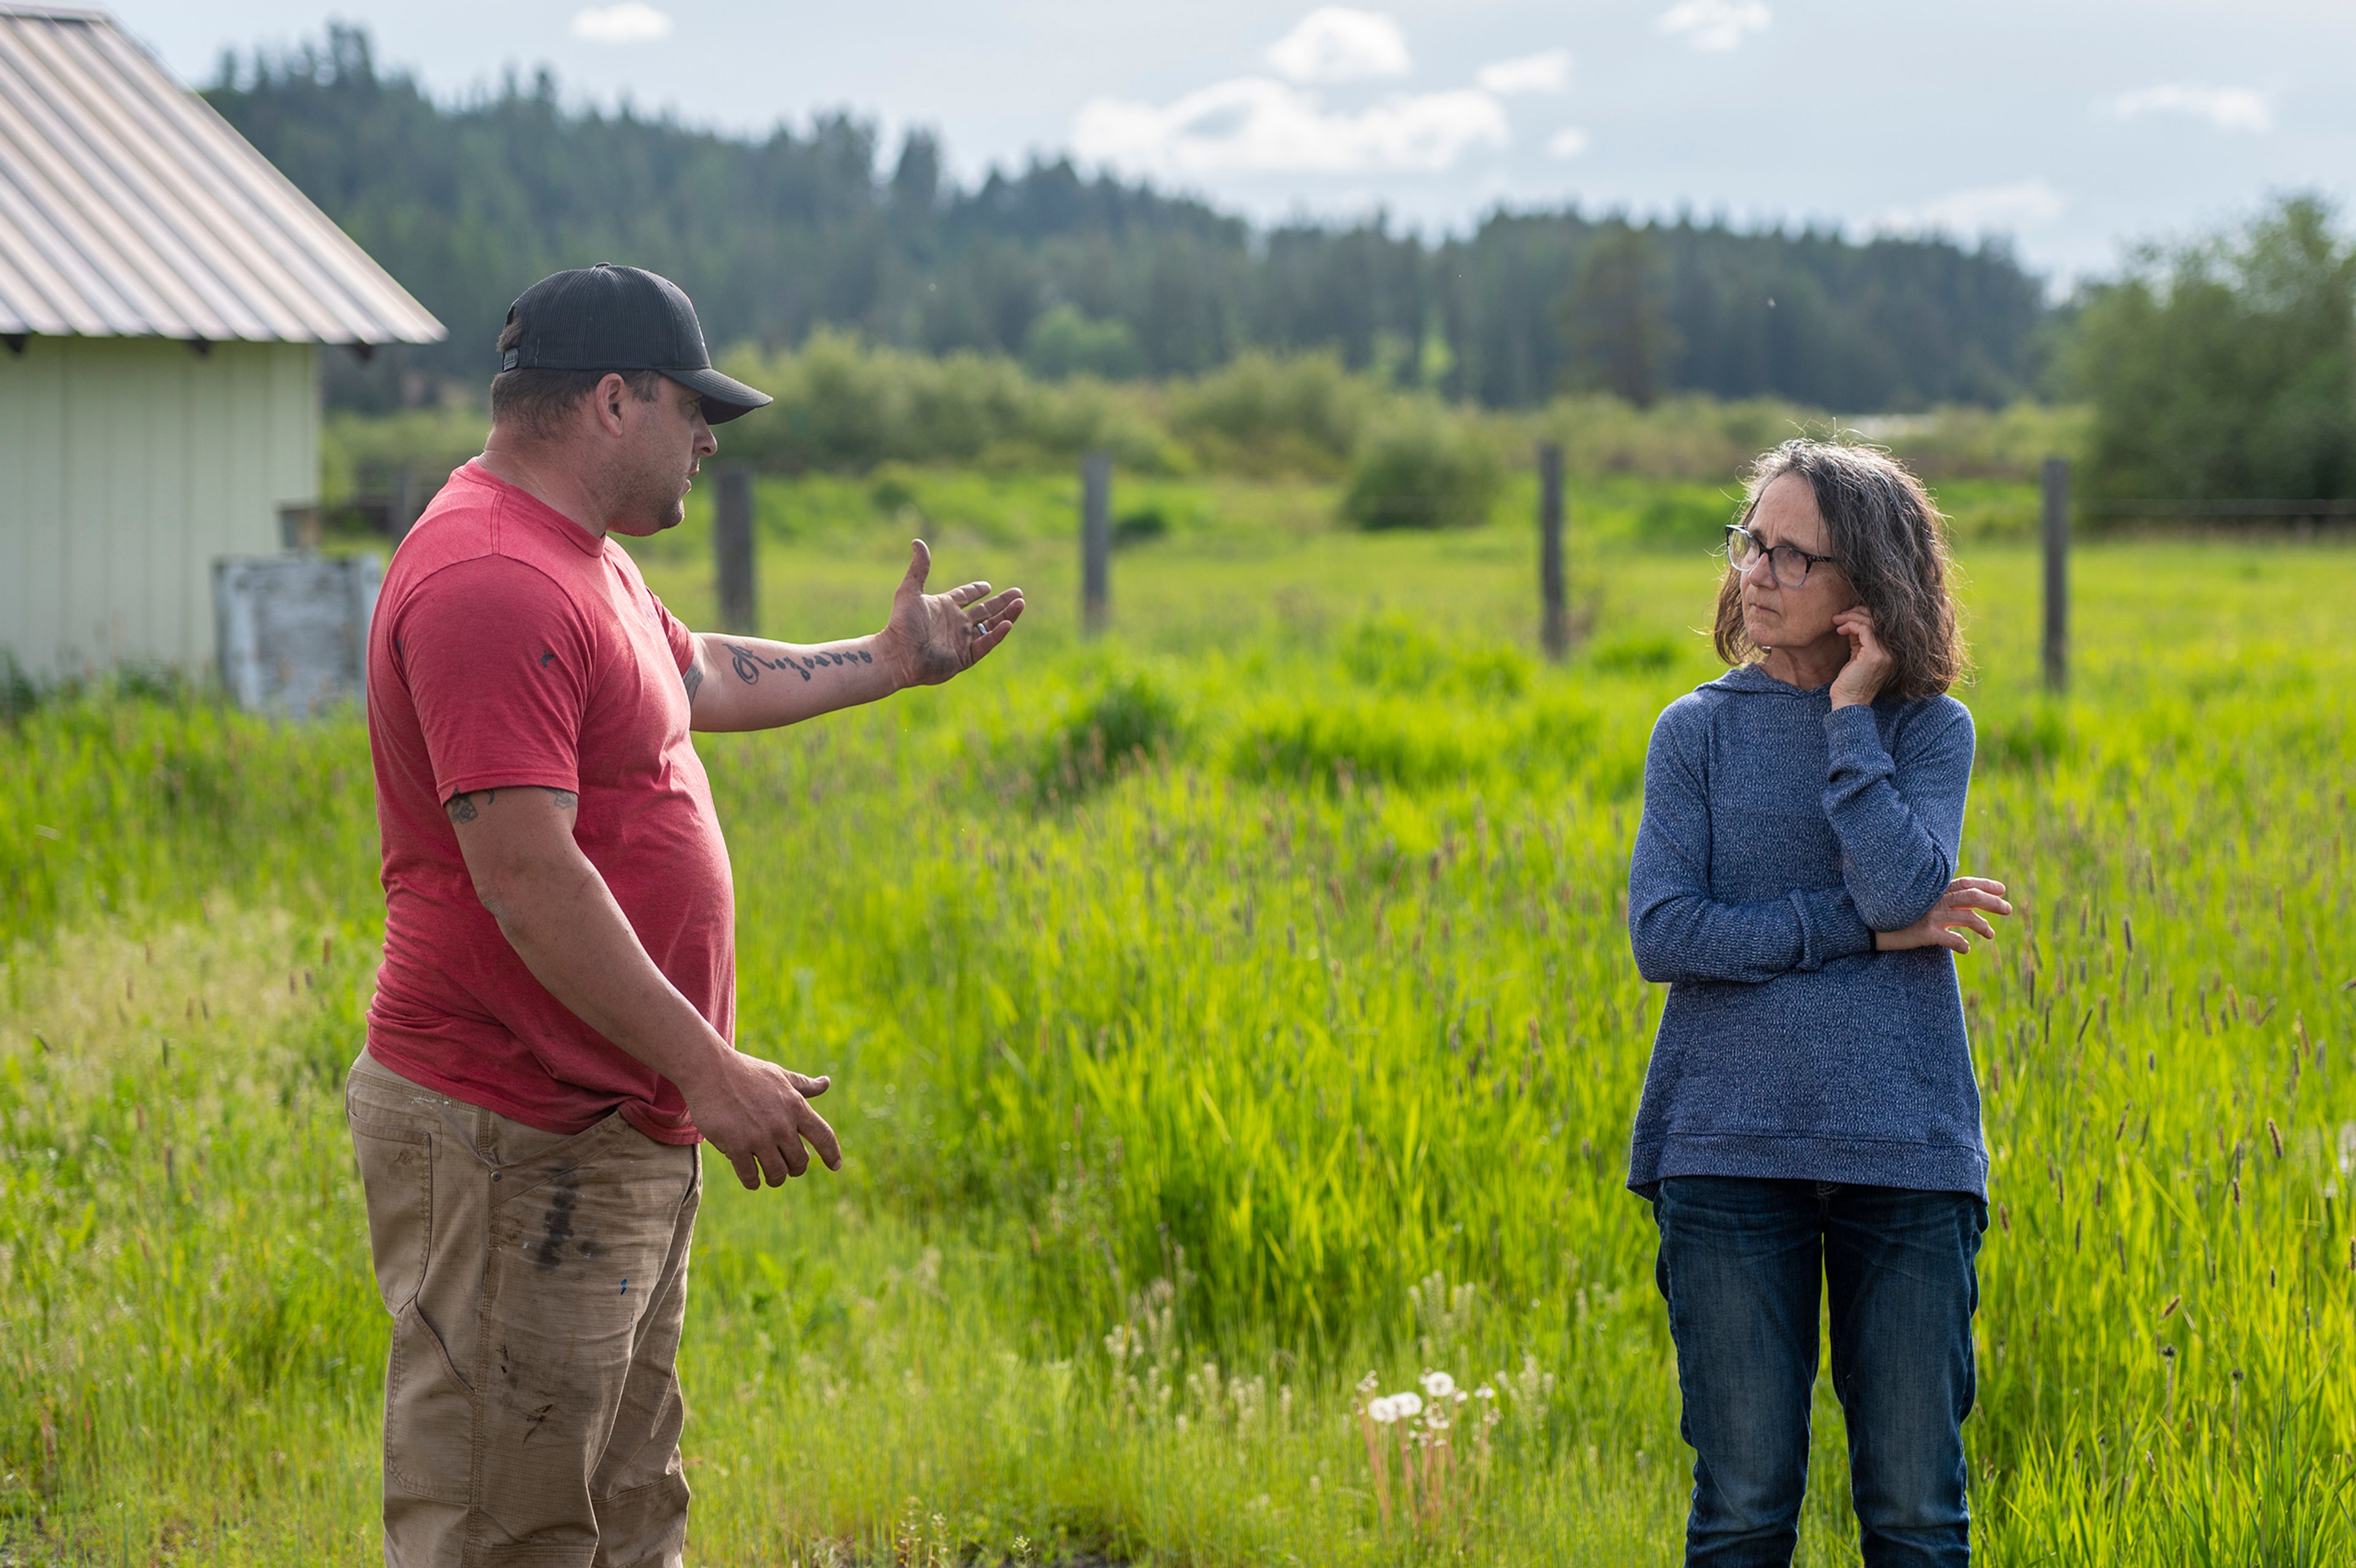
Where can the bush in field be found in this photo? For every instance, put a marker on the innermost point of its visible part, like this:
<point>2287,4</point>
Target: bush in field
<point>1142,525</point>
<point>1394,653</point>
<point>1686,437</point>
<point>1065,341</point>
<point>2226,368</point>
<point>1261,414</point>
<point>2010,442</point>
<point>1130,715</point>
<point>1428,469</point>
<point>1685,522</point>
<point>845,406</point>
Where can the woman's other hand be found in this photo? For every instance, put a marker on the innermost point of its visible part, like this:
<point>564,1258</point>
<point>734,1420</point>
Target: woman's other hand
<point>1965,905</point>
<point>1861,680</point>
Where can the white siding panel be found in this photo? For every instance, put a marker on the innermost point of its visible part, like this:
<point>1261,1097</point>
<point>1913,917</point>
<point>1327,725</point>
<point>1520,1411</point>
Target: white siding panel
<point>127,465</point>
<point>44,437</point>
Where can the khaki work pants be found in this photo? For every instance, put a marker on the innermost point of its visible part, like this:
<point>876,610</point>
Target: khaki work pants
<point>536,1283</point>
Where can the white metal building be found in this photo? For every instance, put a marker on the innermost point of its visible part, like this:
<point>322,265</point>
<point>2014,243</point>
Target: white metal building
<point>165,293</point>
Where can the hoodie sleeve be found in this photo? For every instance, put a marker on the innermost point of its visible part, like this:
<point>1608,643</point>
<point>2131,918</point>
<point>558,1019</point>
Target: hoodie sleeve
<point>1899,819</point>
<point>1681,934</point>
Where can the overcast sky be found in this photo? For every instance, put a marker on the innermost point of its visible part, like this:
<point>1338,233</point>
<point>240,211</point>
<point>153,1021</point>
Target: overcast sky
<point>2071,126</point>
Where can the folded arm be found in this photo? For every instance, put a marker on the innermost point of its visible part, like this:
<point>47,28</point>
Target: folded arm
<point>1679,932</point>
<point>1899,819</point>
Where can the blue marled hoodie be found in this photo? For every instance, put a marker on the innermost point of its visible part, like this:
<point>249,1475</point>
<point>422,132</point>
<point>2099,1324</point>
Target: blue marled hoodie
<point>1778,836</point>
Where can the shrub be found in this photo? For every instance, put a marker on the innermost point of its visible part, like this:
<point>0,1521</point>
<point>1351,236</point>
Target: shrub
<point>1689,437</point>
<point>1138,526</point>
<point>1426,470</point>
<point>1065,341</point>
<point>1685,522</point>
<point>1264,415</point>
<point>1393,653</point>
<point>1131,715</point>
<point>1633,653</point>
<point>844,406</point>
<point>1391,739</point>
<point>893,488</point>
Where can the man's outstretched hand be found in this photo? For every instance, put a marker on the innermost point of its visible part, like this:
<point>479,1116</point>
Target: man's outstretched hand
<point>758,1114</point>
<point>933,636</point>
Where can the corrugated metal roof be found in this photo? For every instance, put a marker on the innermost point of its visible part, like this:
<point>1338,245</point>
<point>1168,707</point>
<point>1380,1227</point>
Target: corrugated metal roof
<point>129,209</point>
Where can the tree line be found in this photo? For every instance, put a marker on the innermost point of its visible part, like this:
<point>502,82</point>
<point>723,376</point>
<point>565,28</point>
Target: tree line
<point>467,202</point>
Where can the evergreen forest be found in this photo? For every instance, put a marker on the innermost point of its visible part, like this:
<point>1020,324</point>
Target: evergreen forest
<point>468,201</point>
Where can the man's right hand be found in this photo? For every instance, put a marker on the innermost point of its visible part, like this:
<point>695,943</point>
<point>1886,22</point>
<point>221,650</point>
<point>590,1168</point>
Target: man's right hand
<point>758,1114</point>
<point>558,914</point>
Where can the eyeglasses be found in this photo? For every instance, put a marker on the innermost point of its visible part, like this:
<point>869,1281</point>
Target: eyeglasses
<point>1790,563</point>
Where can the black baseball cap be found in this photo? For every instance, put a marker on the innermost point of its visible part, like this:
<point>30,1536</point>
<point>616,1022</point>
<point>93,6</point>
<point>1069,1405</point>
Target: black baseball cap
<point>622,318</point>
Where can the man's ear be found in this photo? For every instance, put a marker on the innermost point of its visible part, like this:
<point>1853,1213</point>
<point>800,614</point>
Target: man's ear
<point>605,403</point>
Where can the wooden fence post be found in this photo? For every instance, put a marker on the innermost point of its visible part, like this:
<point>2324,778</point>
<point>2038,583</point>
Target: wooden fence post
<point>2057,573</point>
<point>731,550</point>
<point>1096,541</point>
<point>1554,628</point>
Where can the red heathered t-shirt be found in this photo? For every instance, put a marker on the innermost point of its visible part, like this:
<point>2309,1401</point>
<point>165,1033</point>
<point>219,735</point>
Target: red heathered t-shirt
<point>511,649</point>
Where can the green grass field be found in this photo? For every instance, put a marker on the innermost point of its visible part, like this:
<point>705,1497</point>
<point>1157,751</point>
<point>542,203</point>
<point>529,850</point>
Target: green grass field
<point>1219,1014</point>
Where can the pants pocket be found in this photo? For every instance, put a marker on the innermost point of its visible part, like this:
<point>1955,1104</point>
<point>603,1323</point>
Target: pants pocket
<point>429,1413</point>
<point>396,1177</point>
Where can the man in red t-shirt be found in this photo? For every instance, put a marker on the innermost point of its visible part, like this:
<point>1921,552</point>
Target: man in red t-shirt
<point>552,1031</point>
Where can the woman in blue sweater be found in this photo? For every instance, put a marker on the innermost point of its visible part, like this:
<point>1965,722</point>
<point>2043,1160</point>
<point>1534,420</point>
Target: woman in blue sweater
<point>1810,1112</point>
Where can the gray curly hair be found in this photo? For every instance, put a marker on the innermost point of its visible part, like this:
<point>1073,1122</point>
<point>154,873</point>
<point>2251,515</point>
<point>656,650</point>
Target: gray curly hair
<point>1892,544</point>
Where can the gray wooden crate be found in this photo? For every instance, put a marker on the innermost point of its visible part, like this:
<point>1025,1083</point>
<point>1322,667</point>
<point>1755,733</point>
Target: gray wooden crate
<point>293,630</point>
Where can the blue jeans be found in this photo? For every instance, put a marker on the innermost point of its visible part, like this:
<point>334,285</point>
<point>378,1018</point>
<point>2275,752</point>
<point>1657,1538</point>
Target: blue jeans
<point>1739,1264</point>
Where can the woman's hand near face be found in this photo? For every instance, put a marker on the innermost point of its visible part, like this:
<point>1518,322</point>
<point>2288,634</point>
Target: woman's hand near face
<point>1967,902</point>
<point>1861,680</point>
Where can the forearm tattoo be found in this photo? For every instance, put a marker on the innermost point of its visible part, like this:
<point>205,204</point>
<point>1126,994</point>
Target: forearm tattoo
<point>749,665</point>
<point>462,808</point>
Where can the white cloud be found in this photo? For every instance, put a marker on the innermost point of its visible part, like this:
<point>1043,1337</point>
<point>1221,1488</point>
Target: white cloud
<point>631,22</point>
<point>1980,210</point>
<point>1567,143</point>
<point>2226,108</point>
<point>1252,124</point>
<point>1336,43</point>
<point>1546,72</point>
<point>1714,25</point>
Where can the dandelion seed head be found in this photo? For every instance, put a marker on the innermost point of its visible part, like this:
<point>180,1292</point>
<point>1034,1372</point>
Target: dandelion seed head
<point>1382,1412</point>
<point>1485,1391</point>
<point>1409,1405</point>
<point>1438,1385</point>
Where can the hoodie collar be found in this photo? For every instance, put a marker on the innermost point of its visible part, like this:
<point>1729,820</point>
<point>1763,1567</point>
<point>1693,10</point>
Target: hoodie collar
<point>1751,678</point>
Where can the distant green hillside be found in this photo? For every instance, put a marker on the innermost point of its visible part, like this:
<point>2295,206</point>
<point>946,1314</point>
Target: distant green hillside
<point>467,202</point>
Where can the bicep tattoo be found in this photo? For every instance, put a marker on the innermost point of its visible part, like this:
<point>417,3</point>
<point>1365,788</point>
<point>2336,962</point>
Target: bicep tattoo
<point>691,677</point>
<point>461,808</point>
